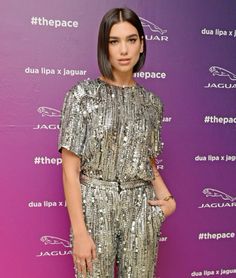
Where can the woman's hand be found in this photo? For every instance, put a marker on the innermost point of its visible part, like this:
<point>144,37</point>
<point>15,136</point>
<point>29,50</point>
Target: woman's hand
<point>168,207</point>
<point>84,251</point>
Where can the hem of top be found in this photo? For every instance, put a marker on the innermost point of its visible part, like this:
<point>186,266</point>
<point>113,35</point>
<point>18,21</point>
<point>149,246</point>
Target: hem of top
<point>80,155</point>
<point>138,179</point>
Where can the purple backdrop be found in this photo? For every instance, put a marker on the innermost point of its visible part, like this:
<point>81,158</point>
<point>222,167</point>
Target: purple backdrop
<point>46,47</point>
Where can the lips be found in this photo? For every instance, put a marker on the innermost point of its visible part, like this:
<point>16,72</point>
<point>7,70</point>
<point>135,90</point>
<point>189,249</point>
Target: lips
<point>124,61</point>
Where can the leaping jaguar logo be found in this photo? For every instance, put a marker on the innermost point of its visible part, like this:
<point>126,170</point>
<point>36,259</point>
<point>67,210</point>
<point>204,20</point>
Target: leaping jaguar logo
<point>49,112</point>
<point>153,27</point>
<point>55,240</point>
<point>210,192</point>
<point>215,70</point>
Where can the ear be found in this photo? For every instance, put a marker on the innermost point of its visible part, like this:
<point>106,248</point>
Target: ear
<point>141,47</point>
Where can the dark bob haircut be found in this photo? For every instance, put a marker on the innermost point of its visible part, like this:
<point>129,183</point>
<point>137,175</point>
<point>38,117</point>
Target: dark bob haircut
<point>110,18</point>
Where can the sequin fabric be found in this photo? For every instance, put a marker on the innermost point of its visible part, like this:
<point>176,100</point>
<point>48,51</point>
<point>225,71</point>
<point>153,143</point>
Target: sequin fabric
<point>114,130</point>
<point>124,227</point>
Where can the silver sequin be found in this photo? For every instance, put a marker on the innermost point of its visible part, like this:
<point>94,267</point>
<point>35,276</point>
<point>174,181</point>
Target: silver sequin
<point>114,130</point>
<point>123,225</point>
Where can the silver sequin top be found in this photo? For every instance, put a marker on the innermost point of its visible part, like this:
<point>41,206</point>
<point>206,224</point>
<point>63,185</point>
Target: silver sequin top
<point>114,130</point>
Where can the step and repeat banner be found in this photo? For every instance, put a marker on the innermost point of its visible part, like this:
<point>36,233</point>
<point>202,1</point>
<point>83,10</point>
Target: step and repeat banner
<point>47,47</point>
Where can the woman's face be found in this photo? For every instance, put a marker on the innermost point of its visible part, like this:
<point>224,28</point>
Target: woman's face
<point>124,48</point>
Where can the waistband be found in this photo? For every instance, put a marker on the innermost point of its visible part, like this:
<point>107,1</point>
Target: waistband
<point>119,185</point>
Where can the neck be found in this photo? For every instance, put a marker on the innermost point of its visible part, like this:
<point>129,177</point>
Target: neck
<point>121,79</point>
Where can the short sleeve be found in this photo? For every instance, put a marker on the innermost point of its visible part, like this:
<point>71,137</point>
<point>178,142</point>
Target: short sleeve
<point>156,140</point>
<point>73,125</point>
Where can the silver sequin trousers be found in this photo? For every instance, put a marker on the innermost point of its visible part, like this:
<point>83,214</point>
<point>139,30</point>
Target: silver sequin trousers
<point>124,227</point>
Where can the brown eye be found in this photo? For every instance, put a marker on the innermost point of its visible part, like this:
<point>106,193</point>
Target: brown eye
<point>113,42</point>
<point>132,40</point>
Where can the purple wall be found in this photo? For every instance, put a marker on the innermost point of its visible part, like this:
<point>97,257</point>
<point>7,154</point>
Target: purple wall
<point>190,65</point>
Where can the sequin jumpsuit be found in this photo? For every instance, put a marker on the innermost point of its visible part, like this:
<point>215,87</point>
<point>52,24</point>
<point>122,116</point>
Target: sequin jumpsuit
<point>115,131</point>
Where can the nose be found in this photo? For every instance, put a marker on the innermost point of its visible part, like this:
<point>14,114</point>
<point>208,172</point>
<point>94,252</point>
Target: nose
<point>123,48</point>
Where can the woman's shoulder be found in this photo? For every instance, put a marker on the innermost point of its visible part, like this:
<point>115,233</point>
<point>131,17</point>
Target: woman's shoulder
<point>89,85</point>
<point>152,98</point>
<point>83,89</point>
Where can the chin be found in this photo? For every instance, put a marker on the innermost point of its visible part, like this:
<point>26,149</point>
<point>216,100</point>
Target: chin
<point>124,69</point>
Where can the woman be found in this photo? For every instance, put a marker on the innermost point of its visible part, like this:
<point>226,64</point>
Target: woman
<point>109,138</point>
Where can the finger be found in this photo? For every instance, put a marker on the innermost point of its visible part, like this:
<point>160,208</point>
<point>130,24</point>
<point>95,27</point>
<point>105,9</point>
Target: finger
<point>89,265</point>
<point>161,203</point>
<point>83,268</point>
<point>80,265</point>
<point>158,202</point>
<point>76,262</point>
<point>153,202</point>
<point>94,255</point>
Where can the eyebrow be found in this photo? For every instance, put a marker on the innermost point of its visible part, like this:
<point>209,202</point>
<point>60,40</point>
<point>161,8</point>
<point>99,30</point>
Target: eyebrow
<point>128,37</point>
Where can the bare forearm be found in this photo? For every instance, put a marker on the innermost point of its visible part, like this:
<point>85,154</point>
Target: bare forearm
<point>164,198</point>
<point>159,185</point>
<point>72,190</point>
<point>160,188</point>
